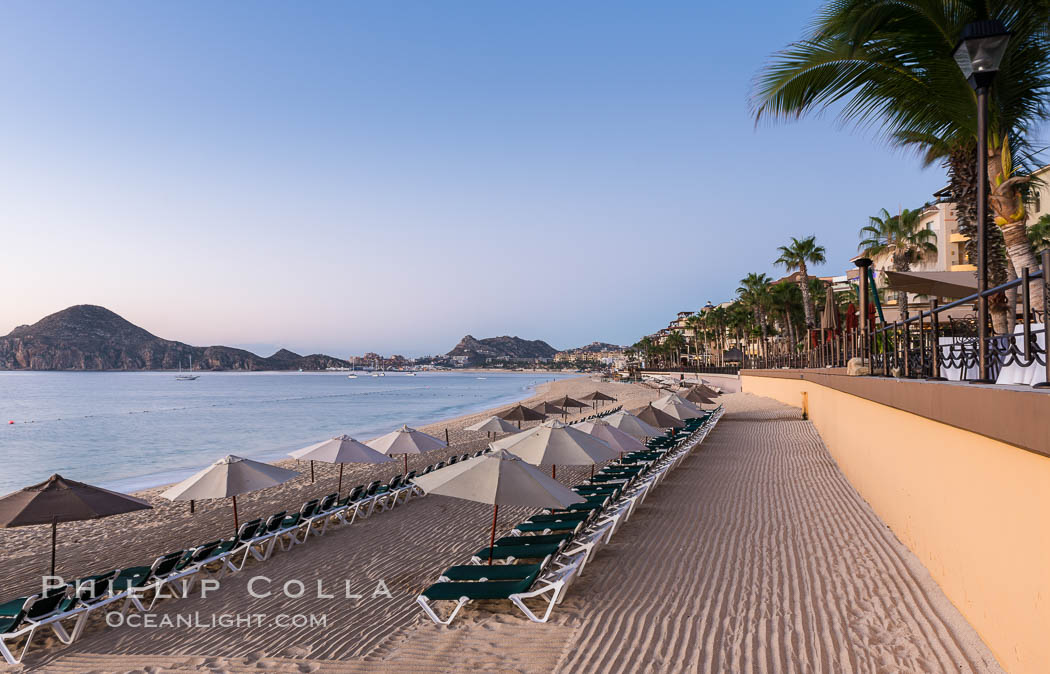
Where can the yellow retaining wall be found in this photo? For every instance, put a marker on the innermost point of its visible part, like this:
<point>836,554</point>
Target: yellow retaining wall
<point>974,510</point>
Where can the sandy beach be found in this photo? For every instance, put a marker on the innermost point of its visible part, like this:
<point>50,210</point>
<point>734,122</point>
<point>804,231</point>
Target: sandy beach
<point>754,555</point>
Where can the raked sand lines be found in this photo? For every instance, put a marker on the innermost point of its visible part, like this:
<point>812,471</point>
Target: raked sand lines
<point>756,555</point>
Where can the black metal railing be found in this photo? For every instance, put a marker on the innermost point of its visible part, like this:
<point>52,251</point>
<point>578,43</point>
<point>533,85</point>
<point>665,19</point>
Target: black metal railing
<point>927,345</point>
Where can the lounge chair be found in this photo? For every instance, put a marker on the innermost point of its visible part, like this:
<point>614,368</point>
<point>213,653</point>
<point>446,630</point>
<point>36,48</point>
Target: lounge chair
<point>288,535</point>
<point>508,554</point>
<point>550,584</point>
<point>21,618</point>
<point>134,582</point>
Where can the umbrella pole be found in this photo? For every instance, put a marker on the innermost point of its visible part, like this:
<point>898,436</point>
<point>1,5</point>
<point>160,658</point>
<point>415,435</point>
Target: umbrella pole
<point>406,464</point>
<point>492,538</point>
<point>553,469</point>
<point>340,487</point>
<point>54,542</point>
<point>236,525</point>
<point>191,506</point>
<point>311,471</point>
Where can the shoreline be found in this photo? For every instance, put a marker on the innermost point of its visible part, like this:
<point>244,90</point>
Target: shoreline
<point>140,537</point>
<point>281,458</point>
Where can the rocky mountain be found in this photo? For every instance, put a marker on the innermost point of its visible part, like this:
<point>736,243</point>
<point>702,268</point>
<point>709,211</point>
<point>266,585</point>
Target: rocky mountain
<point>88,337</point>
<point>597,347</point>
<point>507,348</point>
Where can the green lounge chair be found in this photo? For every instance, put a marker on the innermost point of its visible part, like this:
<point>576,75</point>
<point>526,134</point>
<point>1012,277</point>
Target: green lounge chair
<point>21,618</point>
<point>550,584</point>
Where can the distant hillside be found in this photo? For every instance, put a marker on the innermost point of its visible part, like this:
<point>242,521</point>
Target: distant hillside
<point>88,337</point>
<point>512,348</point>
<point>597,347</point>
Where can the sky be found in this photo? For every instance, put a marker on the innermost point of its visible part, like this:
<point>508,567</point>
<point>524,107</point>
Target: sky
<point>344,177</point>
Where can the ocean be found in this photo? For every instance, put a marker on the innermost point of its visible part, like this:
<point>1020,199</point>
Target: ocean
<point>135,430</point>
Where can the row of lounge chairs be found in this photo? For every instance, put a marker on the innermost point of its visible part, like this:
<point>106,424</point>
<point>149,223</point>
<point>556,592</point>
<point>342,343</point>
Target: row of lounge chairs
<point>599,415</point>
<point>541,556</point>
<point>66,609</point>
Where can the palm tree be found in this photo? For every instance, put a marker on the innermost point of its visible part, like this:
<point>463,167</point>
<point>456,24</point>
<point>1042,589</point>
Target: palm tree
<point>786,298</point>
<point>901,238</point>
<point>889,65</point>
<point>754,294</point>
<point>797,255</point>
<point>1039,234</point>
<point>674,344</point>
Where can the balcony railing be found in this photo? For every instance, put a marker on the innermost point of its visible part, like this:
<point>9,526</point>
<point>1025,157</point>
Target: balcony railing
<point>927,345</point>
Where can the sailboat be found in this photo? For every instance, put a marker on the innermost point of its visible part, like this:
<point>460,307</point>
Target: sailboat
<point>186,377</point>
<point>353,368</point>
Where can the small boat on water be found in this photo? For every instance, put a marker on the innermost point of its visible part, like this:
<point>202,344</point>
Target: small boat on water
<point>410,374</point>
<point>186,377</point>
<point>351,376</point>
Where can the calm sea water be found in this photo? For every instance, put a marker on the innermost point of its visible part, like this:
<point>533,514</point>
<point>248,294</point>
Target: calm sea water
<point>134,430</point>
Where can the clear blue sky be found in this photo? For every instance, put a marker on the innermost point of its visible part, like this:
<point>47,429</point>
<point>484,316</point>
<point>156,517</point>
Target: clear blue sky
<point>354,176</point>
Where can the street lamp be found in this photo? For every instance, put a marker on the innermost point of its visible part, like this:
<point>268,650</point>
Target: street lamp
<point>978,54</point>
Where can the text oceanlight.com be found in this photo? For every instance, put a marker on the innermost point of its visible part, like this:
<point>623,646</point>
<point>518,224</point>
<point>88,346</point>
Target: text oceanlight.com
<point>212,620</point>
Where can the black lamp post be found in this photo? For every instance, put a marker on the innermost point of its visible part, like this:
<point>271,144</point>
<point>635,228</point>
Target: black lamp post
<point>979,52</point>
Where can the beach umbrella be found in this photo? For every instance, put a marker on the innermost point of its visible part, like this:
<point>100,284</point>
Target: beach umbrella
<point>498,478</point>
<point>632,425</point>
<point>553,443</point>
<point>57,499</point>
<point>611,435</point>
<point>595,396</point>
<point>852,320</point>
<point>694,395</point>
<point>228,477</point>
<point>705,389</point>
<point>521,413</point>
<point>548,409</point>
<point>566,401</point>
<point>342,450</point>
<point>678,408</point>
<point>657,417</point>
<point>493,425</point>
<point>406,441</point>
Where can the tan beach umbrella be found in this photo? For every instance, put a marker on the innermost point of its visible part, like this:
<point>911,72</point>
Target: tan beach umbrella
<point>705,389</point>
<point>657,417</point>
<point>521,413</point>
<point>548,409</point>
<point>611,435</point>
<point>227,478</point>
<point>678,408</point>
<point>553,443</point>
<point>57,499</point>
<point>493,425</point>
<point>498,478</point>
<point>342,450</point>
<point>406,441</point>
<point>596,396</point>
<point>632,425</point>
<point>694,395</point>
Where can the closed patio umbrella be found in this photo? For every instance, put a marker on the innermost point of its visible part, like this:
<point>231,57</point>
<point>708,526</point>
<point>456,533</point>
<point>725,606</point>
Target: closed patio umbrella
<point>632,425</point>
<point>342,450</point>
<point>406,441</point>
<point>657,417</point>
<point>57,499</point>
<point>553,443</point>
<point>830,320</point>
<point>229,477</point>
<point>498,478</point>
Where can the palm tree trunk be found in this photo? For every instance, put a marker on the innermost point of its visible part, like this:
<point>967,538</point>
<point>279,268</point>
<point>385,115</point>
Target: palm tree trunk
<point>1006,201</point>
<point>807,299</point>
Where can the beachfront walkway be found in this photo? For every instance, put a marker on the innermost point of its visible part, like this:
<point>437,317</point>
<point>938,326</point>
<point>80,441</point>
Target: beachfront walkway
<point>755,555</point>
